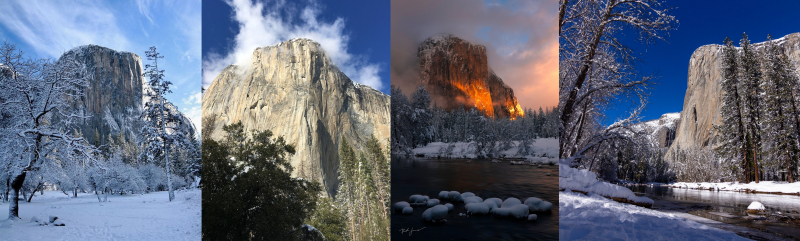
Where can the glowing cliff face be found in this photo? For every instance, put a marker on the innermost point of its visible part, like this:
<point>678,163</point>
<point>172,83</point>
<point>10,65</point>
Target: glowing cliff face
<point>481,97</point>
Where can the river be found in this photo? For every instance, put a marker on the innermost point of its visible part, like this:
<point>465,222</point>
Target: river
<point>411,175</point>
<point>781,218</point>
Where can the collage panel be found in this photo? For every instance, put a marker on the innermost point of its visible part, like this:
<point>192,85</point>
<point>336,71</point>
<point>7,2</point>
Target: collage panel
<point>99,118</point>
<point>474,120</point>
<point>679,120</point>
<point>296,120</point>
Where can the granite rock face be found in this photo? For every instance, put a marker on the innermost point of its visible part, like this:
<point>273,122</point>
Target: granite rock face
<point>456,71</point>
<point>114,97</point>
<point>703,100</point>
<point>295,90</point>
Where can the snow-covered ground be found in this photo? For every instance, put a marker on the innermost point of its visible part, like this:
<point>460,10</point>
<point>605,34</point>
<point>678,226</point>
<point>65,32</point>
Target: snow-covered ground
<point>586,181</point>
<point>130,217</point>
<point>545,150</point>
<point>597,218</point>
<point>763,186</point>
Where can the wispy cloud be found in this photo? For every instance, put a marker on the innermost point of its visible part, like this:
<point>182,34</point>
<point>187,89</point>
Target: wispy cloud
<point>52,27</point>
<point>271,22</point>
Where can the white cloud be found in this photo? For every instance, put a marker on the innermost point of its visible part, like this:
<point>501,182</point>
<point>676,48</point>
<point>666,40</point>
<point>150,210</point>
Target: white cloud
<point>194,98</point>
<point>269,23</point>
<point>52,27</point>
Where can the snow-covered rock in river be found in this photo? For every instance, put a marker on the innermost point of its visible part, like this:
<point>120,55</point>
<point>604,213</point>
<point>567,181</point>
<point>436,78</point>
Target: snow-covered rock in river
<point>755,207</point>
<point>497,201</point>
<point>532,217</point>
<point>449,207</point>
<point>418,199</point>
<point>473,199</point>
<point>455,196</point>
<point>516,211</point>
<point>444,195</point>
<point>435,213</point>
<point>408,210</point>
<point>510,202</point>
<point>399,206</point>
<point>433,202</point>
<point>538,205</point>
<point>478,208</point>
<point>295,90</point>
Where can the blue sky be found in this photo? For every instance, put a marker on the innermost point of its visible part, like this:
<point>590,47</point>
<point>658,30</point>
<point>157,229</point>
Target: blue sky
<point>355,33</point>
<point>46,29</point>
<point>701,23</point>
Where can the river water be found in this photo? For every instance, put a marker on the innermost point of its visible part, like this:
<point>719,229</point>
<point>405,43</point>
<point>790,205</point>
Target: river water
<point>782,216</point>
<point>411,175</point>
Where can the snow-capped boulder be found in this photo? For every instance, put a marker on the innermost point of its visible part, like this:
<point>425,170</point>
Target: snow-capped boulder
<point>497,201</point>
<point>465,195</point>
<point>517,211</point>
<point>433,202</point>
<point>418,199</point>
<point>538,205</point>
<point>756,207</point>
<point>444,195</point>
<point>532,217</point>
<point>478,208</point>
<point>455,196</point>
<point>399,206</point>
<point>449,207</point>
<point>408,210</point>
<point>435,213</point>
<point>510,202</point>
<point>473,199</point>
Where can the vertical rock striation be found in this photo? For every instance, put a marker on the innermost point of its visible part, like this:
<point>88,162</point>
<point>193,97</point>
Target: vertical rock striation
<point>295,90</point>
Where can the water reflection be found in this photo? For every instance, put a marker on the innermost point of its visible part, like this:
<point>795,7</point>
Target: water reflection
<point>429,176</point>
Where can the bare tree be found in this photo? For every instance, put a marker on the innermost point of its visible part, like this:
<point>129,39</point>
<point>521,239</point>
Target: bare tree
<point>596,68</point>
<point>37,115</point>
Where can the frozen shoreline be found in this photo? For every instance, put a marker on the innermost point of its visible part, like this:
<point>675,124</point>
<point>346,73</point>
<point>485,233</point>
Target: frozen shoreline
<point>545,150</point>
<point>770,187</point>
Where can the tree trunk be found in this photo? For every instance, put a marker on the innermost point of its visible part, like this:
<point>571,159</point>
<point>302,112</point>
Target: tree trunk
<point>38,187</point>
<point>13,207</point>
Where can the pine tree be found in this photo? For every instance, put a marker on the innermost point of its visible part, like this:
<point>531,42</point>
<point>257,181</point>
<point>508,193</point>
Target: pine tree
<point>780,115</point>
<point>732,130</point>
<point>750,71</point>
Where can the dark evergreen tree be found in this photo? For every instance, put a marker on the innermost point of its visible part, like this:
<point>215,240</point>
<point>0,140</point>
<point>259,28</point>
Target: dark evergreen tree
<point>732,130</point>
<point>751,78</point>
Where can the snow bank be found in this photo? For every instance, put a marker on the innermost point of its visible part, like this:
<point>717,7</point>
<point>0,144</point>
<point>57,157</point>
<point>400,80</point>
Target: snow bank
<point>598,218</point>
<point>538,205</point>
<point>399,206</point>
<point>585,181</point>
<point>763,186</point>
<point>435,213</point>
